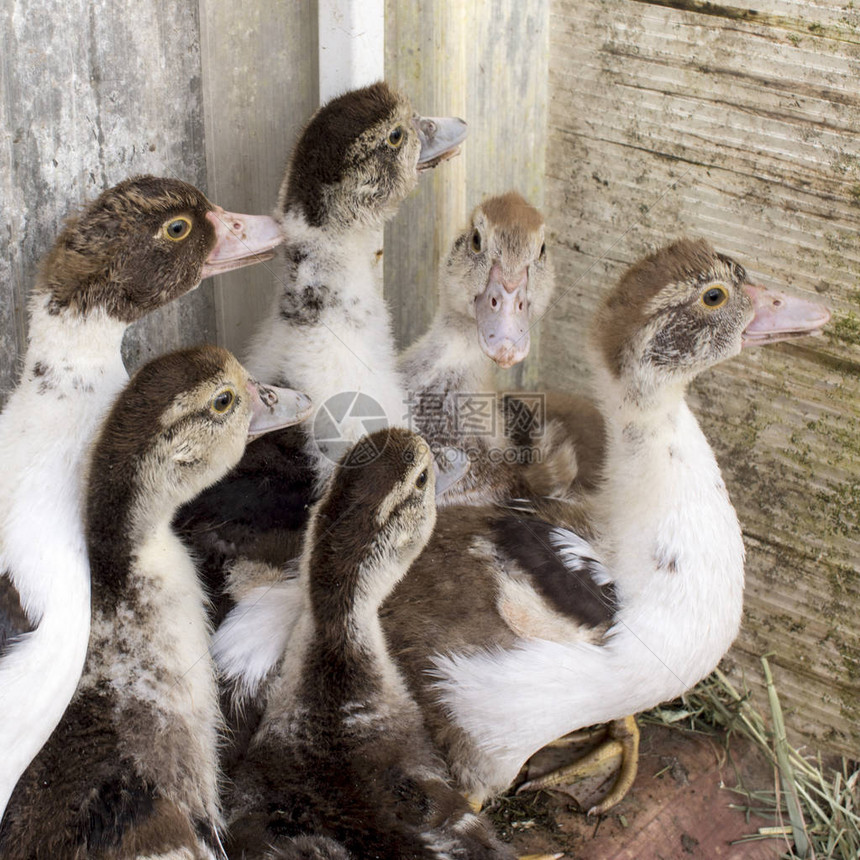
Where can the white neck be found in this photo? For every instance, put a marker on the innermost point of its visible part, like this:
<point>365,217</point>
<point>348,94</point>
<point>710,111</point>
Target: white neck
<point>344,343</point>
<point>447,357</point>
<point>72,373</point>
<point>165,664</point>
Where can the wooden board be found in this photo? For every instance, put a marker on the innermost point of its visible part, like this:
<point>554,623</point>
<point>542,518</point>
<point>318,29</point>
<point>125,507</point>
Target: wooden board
<point>260,85</point>
<point>690,118</point>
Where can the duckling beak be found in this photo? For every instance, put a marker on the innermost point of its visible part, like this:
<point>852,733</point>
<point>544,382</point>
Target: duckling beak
<point>441,137</point>
<point>450,464</point>
<point>273,408</point>
<point>240,240</point>
<point>502,314</point>
<point>779,317</point>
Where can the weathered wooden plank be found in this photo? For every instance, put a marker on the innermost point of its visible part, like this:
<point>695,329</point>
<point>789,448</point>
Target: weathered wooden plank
<point>93,92</point>
<point>739,127</point>
<point>260,87</point>
<point>486,62</point>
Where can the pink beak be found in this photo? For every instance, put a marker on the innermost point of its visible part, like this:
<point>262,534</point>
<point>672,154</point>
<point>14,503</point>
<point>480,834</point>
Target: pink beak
<point>240,240</point>
<point>779,317</point>
<point>273,408</point>
<point>502,314</point>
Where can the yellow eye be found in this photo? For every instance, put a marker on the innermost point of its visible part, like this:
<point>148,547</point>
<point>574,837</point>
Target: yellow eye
<point>421,480</point>
<point>715,296</point>
<point>176,229</point>
<point>223,401</point>
<point>395,137</point>
<point>476,242</point>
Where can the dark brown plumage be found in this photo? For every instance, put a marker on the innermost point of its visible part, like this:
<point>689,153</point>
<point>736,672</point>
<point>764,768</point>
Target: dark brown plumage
<point>342,751</point>
<point>115,256</point>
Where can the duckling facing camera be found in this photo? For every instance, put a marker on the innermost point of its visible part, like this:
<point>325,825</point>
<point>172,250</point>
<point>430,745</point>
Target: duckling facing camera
<point>132,768</point>
<point>341,753</point>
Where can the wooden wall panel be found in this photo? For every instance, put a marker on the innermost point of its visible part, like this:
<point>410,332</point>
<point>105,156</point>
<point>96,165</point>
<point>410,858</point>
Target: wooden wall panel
<point>674,118</point>
<point>260,87</point>
<point>93,92</point>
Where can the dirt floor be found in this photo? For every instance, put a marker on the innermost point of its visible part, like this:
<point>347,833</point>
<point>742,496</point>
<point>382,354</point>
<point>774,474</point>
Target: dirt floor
<point>679,807</point>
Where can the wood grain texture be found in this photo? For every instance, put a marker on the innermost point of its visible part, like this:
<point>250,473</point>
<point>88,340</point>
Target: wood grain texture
<point>93,92</point>
<point>676,118</point>
<point>260,87</point>
<point>487,63</point>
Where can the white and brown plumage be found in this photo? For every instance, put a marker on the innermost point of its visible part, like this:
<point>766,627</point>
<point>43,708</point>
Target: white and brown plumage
<point>132,768</point>
<point>639,596</point>
<point>329,330</point>
<point>138,246</point>
<point>341,752</point>
<point>495,284</point>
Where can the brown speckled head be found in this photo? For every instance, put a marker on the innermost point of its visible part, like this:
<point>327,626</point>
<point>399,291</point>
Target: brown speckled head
<point>376,516</point>
<point>356,159</point>
<point>136,247</point>
<point>679,310</point>
<point>180,424</point>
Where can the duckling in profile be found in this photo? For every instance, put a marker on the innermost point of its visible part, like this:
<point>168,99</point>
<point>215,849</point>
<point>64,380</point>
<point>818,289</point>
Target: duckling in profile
<point>341,752</point>
<point>495,284</point>
<point>593,613</point>
<point>131,771</point>
<point>329,331</point>
<point>140,245</point>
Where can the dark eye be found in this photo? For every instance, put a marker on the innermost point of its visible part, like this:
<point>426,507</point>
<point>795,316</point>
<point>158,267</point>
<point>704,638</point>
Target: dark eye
<point>714,297</point>
<point>421,480</point>
<point>395,137</point>
<point>222,401</point>
<point>176,229</point>
<point>476,242</point>
<point>543,250</point>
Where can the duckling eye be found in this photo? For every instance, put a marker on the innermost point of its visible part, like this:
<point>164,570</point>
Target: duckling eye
<point>421,480</point>
<point>715,297</point>
<point>176,229</point>
<point>542,250</point>
<point>395,137</point>
<point>222,401</point>
<point>476,242</point>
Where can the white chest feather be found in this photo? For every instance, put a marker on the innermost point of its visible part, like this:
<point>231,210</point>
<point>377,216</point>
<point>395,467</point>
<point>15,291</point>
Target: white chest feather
<point>72,374</point>
<point>673,544</point>
<point>329,335</point>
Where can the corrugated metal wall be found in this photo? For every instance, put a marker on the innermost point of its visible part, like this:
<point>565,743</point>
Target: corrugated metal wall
<point>681,117</point>
<point>695,118</point>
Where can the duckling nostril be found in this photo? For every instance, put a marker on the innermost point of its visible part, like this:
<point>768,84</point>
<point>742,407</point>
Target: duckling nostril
<point>777,303</point>
<point>494,301</point>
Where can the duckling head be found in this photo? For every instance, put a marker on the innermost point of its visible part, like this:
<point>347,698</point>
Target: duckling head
<point>497,276</point>
<point>145,242</point>
<point>360,155</point>
<point>687,307</point>
<point>376,516</point>
<point>180,425</point>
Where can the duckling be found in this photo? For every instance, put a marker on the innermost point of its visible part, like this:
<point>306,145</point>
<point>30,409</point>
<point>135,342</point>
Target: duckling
<point>138,246</point>
<point>341,752</point>
<point>591,613</point>
<point>329,330</point>
<point>496,279</point>
<point>132,768</point>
